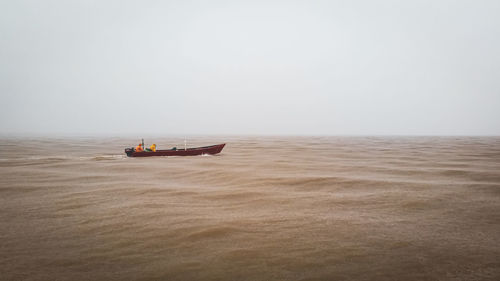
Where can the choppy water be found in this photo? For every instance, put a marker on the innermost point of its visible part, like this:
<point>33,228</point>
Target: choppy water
<point>304,208</point>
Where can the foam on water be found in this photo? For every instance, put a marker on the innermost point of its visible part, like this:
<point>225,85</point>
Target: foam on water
<point>106,157</point>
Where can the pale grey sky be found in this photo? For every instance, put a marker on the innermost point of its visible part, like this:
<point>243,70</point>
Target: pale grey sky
<point>250,67</point>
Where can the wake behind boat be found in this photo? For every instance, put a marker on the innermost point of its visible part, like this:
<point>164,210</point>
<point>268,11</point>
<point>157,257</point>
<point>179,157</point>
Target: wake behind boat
<point>212,149</point>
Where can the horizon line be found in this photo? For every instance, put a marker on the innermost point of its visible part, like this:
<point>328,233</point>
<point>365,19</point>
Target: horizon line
<point>177,135</point>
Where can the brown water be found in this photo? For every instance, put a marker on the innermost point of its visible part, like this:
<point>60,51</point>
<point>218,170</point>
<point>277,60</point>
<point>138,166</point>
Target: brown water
<point>304,208</point>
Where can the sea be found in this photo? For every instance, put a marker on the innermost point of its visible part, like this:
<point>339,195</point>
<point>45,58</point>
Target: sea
<point>265,208</point>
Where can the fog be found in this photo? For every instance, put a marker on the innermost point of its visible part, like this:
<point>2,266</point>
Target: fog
<point>250,67</point>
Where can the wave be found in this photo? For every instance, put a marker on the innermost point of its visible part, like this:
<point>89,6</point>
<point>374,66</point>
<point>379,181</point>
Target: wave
<point>296,208</point>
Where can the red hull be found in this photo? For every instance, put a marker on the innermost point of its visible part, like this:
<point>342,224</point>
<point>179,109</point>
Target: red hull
<point>213,149</point>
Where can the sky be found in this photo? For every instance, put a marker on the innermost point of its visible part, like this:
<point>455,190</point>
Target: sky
<point>357,67</point>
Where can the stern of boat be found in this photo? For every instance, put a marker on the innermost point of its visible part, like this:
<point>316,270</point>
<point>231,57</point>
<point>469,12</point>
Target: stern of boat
<point>129,151</point>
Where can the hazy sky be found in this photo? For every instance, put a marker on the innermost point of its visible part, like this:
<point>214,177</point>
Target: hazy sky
<point>250,67</point>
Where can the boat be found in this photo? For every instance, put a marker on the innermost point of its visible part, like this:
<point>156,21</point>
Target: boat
<point>204,150</point>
